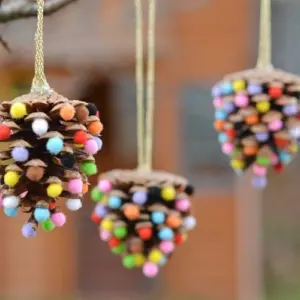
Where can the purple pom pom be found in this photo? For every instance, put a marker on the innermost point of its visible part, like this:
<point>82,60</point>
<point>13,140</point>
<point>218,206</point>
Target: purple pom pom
<point>259,182</point>
<point>20,154</point>
<point>28,230</point>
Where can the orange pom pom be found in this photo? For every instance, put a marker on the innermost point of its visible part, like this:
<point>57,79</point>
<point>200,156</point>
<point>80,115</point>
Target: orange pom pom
<point>67,112</point>
<point>85,188</point>
<point>95,127</point>
<point>174,221</point>
<point>131,211</point>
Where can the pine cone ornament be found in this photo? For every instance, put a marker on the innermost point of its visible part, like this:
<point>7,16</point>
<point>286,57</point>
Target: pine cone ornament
<point>48,155</point>
<point>143,216</point>
<point>257,118</point>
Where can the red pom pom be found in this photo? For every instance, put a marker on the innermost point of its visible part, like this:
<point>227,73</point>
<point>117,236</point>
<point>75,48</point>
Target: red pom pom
<point>4,132</point>
<point>96,219</point>
<point>80,137</point>
<point>97,114</point>
<point>52,205</point>
<point>279,167</point>
<point>178,239</point>
<point>145,233</point>
<point>231,133</point>
<point>275,92</point>
<point>113,242</point>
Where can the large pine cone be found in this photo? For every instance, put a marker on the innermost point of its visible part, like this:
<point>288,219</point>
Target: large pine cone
<point>47,155</point>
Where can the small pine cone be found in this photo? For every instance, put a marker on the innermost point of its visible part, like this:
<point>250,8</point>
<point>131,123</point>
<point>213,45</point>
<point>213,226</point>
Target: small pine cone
<point>48,155</point>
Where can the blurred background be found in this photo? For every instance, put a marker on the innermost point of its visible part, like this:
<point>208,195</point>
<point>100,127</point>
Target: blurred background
<point>247,244</point>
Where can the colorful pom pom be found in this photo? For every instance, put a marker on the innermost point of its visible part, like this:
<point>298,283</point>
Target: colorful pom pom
<point>5,132</point>
<point>11,178</point>
<point>95,128</point>
<point>104,186</point>
<point>20,154</point>
<point>150,269</point>
<point>73,204</point>
<point>58,219</point>
<point>75,186</point>
<point>91,146</point>
<point>11,202</point>
<point>40,126</point>
<point>18,110</point>
<point>41,214</point>
<point>28,230</point>
<point>88,168</point>
<point>55,145</point>
<point>80,137</point>
<point>67,112</point>
<point>11,212</point>
<point>54,190</point>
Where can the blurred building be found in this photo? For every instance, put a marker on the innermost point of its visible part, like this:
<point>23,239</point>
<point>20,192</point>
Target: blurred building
<point>90,55</point>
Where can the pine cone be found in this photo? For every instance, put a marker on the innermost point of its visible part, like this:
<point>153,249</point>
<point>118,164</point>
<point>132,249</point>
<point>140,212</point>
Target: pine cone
<point>143,216</point>
<point>49,146</point>
<point>258,120</point>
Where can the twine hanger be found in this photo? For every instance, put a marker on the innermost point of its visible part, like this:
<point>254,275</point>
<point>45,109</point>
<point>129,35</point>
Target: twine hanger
<point>145,114</point>
<point>39,83</point>
<point>264,60</point>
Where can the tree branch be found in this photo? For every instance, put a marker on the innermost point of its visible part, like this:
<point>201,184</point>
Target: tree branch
<point>23,9</point>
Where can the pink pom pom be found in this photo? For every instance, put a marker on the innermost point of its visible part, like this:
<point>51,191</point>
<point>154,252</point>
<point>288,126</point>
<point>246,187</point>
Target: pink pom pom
<point>218,102</point>
<point>59,219</point>
<point>227,148</point>
<point>105,235</point>
<point>183,204</point>
<point>104,186</point>
<point>91,146</point>
<point>241,100</point>
<point>259,170</point>
<point>274,159</point>
<point>150,269</point>
<point>166,247</point>
<point>75,186</point>
<point>275,125</point>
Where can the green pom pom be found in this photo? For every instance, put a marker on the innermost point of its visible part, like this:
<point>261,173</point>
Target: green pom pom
<point>119,249</point>
<point>96,194</point>
<point>88,168</point>
<point>48,225</point>
<point>263,161</point>
<point>129,261</point>
<point>120,232</point>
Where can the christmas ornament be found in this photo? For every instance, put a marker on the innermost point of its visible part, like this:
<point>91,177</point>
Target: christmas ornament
<point>50,146</point>
<point>257,114</point>
<point>143,214</point>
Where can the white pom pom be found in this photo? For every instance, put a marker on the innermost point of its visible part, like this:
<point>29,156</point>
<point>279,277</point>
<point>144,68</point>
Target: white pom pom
<point>189,223</point>
<point>295,132</point>
<point>40,126</point>
<point>74,204</point>
<point>11,202</point>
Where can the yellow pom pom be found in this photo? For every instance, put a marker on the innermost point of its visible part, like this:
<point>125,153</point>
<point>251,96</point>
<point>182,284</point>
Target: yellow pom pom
<point>155,256</point>
<point>78,146</point>
<point>139,259</point>
<point>11,178</point>
<point>237,164</point>
<point>107,224</point>
<point>239,85</point>
<point>294,148</point>
<point>54,190</point>
<point>168,193</point>
<point>18,110</point>
<point>263,106</point>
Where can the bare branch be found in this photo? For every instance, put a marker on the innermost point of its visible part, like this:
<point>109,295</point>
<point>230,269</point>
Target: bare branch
<point>4,44</point>
<point>23,9</point>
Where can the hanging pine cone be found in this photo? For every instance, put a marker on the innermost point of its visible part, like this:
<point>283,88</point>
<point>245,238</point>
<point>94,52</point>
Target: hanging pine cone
<point>49,146</point>
<point>143,216</point>
<point>257,118</point>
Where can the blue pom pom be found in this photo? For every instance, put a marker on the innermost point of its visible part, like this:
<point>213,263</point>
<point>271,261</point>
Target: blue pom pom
<point>226,88</point>
<point>166,234</point>
<point>55,145</point>
<point>20,154</point>
<point>41,214</point>
<point>220,115</point>
<point>99,142</point>
<point>114,202</point>
<point>163,261</point>
<point>11,212</point>
<point>158,217</point>
<point>222,138</point>
<point>285,158</point>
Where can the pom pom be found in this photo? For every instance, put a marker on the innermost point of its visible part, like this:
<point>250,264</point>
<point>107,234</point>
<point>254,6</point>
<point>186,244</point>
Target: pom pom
<point>88,168</point>
<point>158,217</point>
<point>155,256</point>
<point>139,197</point>
<point>91,146</point>
<point>145,233</point>
<point>167,247</point>
<point>18,110</point>
<point>95,128</point>
<point>99,142</point>
<point>139,259</point>
<point>28,230</point>
<point>131,211</point>
<point>20,154</point>
<point>101,210</point>
<point>11,202</point>
<point>68,160</point>
<point>82,113</point>
<point>11,178</point>
<point>58,219</point>
<point>40,126</point>
<point>54,190</point>
<point>105,235</point>
<point>114,202</point>
<point>35,173</point>
<point>120,232</point>
<point>41,214</point>
<point>96,194</point>
<point>107,224</point>
<point>67,112</point>
<point>75,186</point>
<point>104,186</point>
<point>189,223</point>
<point>74,204</point>
<point>55,145</point>
<point>189,190</point>
<point>174,221</point>
<point>48,225</point>
<point>166,234</point>
<point>80,137</point>
<point>129,261</point>
<point>5,132</point>
<point>11,212</point>
<point>183,205</point>
<point>150,269</point>
<point>92,109</point>
<point>168,193</point>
